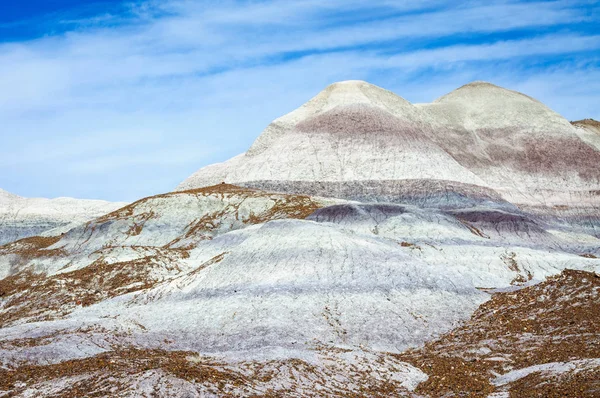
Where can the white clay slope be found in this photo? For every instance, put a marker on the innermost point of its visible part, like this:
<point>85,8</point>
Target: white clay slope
<point>288,284</point>
<point>520,147</point>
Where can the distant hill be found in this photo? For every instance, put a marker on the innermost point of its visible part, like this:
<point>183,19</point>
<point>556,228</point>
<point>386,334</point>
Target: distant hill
<point>23,217</point>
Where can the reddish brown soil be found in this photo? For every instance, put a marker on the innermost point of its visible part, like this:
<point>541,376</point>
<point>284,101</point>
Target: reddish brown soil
<point>35,297</point>
<point>33,247</point>
<point>104,371</point>
<point>113,373</point>
<point>555,321</point>
<point>587,122</point>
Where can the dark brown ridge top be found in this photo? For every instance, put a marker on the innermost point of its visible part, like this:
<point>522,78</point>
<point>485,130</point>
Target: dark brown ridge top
<point>213,189</point>
<point>219,189</point>
<point>586,122</point>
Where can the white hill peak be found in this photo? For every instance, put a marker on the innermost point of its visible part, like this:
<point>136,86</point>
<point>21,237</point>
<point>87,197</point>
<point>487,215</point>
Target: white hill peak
<point>477,91</point>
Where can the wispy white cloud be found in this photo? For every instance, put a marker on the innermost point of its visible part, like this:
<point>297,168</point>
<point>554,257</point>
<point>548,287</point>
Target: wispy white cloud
<point>169,86</point>
<point>550,44</point>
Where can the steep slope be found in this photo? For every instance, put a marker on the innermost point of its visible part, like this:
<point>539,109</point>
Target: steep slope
<point>23,217</point>
<point>521,148</point>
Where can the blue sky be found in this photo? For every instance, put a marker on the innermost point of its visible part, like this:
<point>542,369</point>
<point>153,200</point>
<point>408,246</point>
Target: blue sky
<point>120,100</point>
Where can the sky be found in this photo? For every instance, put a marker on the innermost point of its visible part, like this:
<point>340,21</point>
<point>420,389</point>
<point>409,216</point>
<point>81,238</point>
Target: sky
<point>121,100</point>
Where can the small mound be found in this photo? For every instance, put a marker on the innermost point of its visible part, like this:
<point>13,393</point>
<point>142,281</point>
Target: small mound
<point>222,188</point>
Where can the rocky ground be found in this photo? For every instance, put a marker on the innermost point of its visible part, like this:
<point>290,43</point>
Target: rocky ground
<point>228,291</point>
<point>538,341</point>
